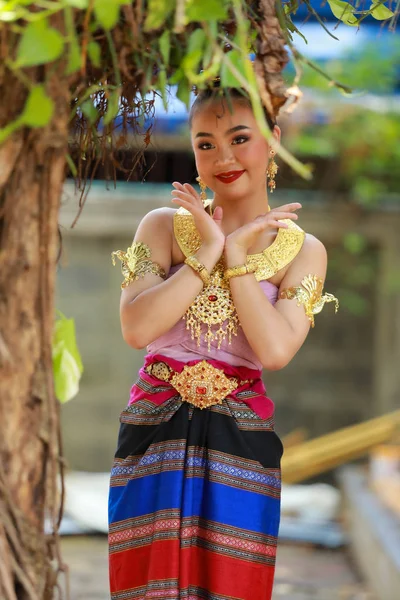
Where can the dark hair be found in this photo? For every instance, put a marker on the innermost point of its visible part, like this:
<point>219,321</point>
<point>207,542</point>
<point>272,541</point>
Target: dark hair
<point>228,94</point>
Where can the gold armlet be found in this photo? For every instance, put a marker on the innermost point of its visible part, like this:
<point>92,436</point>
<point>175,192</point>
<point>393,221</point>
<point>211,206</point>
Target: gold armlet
<point>239,270</point>
<point>199,268</point>
<point>136,263</point>
<point>309,294</point>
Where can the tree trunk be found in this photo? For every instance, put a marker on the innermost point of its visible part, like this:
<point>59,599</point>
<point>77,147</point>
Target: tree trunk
<point>272,57</point>
<point>32,171</point>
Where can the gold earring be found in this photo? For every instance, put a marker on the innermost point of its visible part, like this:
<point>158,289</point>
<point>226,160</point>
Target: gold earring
<point>203,187</point>
<point>271,172</point>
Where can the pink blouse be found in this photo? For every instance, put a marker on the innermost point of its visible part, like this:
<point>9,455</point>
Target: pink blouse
<point>178,344</point>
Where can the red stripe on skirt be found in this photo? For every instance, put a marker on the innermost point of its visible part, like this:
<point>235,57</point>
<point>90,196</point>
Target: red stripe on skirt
<point>136,567</point>
<point>197,567</point>
<point>225,575</point>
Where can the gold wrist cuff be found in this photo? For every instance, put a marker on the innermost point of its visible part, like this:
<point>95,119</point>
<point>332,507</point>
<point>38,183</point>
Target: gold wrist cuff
<point>199,268</point>
<point>239,270</point>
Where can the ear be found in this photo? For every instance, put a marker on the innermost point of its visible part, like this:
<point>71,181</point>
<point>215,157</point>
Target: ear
<point>277,133</point>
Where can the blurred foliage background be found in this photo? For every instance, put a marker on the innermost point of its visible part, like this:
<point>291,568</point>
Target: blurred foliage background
<point>357,137</point>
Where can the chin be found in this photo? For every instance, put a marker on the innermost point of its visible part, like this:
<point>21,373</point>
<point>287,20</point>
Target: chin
<point>237,193</point>
<point>236,190</point>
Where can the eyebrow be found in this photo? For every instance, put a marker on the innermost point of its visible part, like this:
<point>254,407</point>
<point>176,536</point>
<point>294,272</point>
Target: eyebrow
<point>232,130</point>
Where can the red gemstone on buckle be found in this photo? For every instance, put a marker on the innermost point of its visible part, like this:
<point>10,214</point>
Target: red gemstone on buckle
<point>212,298</point>
<point>201,390</point>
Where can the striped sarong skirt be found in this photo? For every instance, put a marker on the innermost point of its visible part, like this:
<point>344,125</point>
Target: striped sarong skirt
<point>194,499</point>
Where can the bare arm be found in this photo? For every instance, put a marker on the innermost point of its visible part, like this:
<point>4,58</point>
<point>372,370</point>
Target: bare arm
<point>150,306</point>
<point>277,332</point>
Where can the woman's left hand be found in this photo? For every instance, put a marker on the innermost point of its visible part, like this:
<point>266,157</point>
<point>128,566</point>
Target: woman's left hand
<point>245,237</point>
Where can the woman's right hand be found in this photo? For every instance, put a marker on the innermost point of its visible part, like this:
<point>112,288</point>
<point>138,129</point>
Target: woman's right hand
<point>209,227</point>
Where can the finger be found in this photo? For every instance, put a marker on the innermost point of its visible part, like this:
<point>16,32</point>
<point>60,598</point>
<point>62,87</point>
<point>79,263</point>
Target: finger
<point>182,194</point>
<point>287,207</point>
<point>178,185</point>
<point>190,189</point>
<point>270,217</point>
<point>279,224</point>
<point>189,205</point>
<point>281,215</point>
<point>218,214</point>
<point>261,224</point>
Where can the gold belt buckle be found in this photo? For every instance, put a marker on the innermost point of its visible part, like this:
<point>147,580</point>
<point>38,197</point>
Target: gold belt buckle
<point>202,384</point>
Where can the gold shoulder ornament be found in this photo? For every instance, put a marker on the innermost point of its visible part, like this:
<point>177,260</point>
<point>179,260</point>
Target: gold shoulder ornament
<point>309,294</point>
<point>136,263</point>
<point>214,307</point>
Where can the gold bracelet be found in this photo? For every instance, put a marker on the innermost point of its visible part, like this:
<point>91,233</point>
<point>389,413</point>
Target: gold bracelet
<point>239,270</point>
<point>199,268</point>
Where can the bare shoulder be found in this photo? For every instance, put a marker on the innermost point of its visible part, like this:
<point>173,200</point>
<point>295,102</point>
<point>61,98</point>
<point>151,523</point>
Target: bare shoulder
<point>312,259</point>
<point>312,247</point>
<point>155,230</point>
<point>158,218</point>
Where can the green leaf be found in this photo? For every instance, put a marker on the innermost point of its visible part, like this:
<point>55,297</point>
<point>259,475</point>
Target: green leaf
<point>38,109</point>
<point>39,44</point>
<point>380,11</point>
<point>228,79</point>
<point>343,11</point>
<point>162,86</point>
<point>77,3</point>
<point>209,49</point>
<point>74,54</point>
<point>90,111</point>
<point>165,46</point>
<point>195,51</point>
<point>7,16</point>
<point>112,108</point>
<point>205,10</point>
<point>9,129</point>
<point>67,363</point>
<point>72,165</point>
<point>157,13</point>
<point>11,10</point>
<point>176,77</point>
<point>196,41</point>
<point>94,52</point>
<point>107,12</point>
<point>183,92</point>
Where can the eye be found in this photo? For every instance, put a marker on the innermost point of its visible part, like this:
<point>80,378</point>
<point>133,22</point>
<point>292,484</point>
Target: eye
<point>205,146</point>
<point>240,139</point>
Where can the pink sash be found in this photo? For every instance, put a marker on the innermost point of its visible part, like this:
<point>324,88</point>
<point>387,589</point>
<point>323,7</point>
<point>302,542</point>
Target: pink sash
<point>252,394</point>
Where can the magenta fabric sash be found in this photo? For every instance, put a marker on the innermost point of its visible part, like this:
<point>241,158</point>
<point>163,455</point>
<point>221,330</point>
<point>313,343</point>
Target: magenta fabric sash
<point>256,400</point>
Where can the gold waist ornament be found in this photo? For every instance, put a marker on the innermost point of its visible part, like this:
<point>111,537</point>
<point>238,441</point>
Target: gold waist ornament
<point>202,384</point>
<point>214,307</point>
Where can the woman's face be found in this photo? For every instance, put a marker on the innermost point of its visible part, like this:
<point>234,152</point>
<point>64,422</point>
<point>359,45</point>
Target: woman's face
<point>230,151</point>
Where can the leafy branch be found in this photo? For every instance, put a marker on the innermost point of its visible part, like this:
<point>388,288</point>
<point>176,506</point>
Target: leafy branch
<point>114,53</point>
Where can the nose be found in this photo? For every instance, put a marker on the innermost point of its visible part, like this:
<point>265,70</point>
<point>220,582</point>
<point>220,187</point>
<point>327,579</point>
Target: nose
<point>225,156</point>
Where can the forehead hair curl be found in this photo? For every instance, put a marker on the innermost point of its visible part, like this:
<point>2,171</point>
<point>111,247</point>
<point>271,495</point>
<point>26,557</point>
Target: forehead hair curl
<point>218,94</point>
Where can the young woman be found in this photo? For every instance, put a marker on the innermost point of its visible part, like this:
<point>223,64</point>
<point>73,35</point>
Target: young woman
<point>216,291</point>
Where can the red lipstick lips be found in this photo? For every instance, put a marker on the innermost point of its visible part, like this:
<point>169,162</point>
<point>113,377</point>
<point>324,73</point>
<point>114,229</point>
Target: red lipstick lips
<point>229,176</point>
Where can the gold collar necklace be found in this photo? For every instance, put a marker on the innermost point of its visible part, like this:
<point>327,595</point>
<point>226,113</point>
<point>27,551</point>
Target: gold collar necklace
<point>214,306</point>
